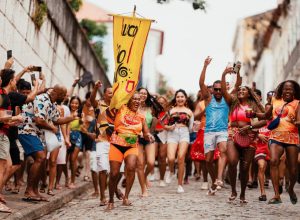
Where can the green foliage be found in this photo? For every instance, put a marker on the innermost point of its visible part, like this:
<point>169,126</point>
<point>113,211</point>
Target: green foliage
<point>95,31</point>
<point>40,13</point>
<point>92,29</point>
<point>75,4</point>
<point>98,47</point>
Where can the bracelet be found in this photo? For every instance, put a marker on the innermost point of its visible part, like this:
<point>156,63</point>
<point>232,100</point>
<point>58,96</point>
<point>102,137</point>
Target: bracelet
<point>251,127</point>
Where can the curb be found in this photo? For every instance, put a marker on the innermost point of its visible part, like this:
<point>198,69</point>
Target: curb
<point>48,207</point>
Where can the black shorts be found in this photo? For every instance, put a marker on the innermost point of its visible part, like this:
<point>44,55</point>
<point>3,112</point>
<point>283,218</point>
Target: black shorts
<point>14,152</point>
<point>143,141</point>
<point>87,143</point>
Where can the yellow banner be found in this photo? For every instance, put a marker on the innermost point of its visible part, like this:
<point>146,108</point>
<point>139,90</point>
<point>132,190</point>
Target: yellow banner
<point>130,36</point>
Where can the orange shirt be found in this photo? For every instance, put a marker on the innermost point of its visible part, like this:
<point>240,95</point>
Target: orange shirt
<point>128,122</point>
<point>287,131</point>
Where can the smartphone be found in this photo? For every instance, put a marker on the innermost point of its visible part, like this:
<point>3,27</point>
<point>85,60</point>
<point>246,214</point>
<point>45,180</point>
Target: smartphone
<point>32,78</point>
<point>236,67</point>
<point>9,54</point>
<point>36,68</point>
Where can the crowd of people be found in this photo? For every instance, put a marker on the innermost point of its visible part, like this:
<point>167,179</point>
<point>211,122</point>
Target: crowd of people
<point>47,132</point>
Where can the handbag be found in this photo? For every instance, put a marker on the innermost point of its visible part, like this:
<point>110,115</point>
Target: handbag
<point>242,140</point>
<point>274,123</point>
<point>52,141</point>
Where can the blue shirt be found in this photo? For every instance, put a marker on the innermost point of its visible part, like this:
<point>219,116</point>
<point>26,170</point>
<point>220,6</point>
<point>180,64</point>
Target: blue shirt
<point>216,116</point>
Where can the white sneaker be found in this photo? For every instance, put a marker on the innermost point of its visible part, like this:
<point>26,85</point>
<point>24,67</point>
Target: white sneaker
<point>180,189</point>
<point>204,186</point>
<point>162,183</point>
<point>169,178</point>
<point>151,177</point>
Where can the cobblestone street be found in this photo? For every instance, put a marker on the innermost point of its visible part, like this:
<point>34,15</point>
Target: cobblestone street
<point>165,203</point>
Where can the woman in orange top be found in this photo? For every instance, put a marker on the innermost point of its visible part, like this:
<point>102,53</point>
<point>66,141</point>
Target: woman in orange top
<point>129,123</point>
<point>285,137</point>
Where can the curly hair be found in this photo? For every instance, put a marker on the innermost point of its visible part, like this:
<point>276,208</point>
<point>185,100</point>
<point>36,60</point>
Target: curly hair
<point>279,89</point>
<point>253,101</point>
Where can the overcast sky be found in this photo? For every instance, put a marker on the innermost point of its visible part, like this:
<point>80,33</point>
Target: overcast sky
<point>191,35</point>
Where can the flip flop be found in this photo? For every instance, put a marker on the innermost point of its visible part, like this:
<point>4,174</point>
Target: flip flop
<point>5,209</point>
<point>15,191</point>
<point>50,193</point>
<point>44,199</point>
<point>274,201</point>
<point>32,199</point>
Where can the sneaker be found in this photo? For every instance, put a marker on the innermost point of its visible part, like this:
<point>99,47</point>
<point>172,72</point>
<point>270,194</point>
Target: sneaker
<point>180,189</point>
<point>162,183</point>
<point>151,177</point>
<point>204,186</point>
<point>169,178</point>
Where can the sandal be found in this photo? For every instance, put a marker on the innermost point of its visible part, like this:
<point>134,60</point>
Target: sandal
<point>275,201</point>
<point>119,194</point>
<point>4,208</point>
<point>262,198</point>
<point>43,188</point>
<point>50,192</point>
<point>212,192</point>
<point>126,202</point>
<point>32,199</point>
<point>44,199</point>
<point>243,201</point>
<point>232,198</point>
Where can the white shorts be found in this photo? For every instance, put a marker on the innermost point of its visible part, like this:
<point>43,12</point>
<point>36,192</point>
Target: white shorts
<point>179,134</point>
<point>212,139</point>
<point>99,159</point>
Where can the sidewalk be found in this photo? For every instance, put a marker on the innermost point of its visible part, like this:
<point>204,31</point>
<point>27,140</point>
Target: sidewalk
<point>29,210</point>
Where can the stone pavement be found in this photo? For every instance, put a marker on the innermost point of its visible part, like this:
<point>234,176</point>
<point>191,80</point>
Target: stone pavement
<point>29,210</point>
<point>165,203</point>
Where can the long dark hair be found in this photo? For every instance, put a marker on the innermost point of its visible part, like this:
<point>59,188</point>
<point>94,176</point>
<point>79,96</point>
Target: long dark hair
<point>79,107</point>
<point>253,101</point>
<point>152,102</point>
<point>279,89</point>
<point>189,101</point>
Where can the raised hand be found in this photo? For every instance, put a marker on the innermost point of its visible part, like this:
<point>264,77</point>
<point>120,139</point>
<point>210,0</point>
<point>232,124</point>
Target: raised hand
<point>8,64</point>
<point>98,84</point>
<point>207,61</point>
<point>228,69</point>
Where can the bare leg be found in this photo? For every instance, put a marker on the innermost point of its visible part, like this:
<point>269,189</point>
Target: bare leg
<point>140,170</point>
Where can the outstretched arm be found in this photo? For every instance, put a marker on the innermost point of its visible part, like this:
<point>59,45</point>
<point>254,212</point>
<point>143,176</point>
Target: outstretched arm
<point>98,85</point>
<point>224,91</point>
<point>203,87</point>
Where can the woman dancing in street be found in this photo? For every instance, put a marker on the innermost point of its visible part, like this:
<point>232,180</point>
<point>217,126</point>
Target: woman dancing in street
<point>180,122</point>
<point>285,136</point>
<point>240,125</point>
<point>129,123</point>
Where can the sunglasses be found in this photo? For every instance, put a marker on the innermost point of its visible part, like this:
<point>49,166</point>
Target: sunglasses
<point>217,90</point>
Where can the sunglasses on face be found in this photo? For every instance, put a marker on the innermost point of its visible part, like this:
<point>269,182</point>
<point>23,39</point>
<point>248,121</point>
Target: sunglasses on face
<point>217,89</point>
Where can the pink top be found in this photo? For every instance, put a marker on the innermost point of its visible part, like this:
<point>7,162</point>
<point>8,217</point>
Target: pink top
<point>239,114</point>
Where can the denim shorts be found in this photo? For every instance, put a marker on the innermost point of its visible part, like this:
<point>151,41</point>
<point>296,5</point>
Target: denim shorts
<point>178,135</point>
<point>76,139</point>
<point>31,144</point>
<point>212,139</point>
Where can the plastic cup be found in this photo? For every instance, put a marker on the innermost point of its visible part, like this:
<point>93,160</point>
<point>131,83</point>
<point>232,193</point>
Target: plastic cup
<point>249,113</point>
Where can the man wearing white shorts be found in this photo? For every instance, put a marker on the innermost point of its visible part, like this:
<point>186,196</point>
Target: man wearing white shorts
<point>216,128</point>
